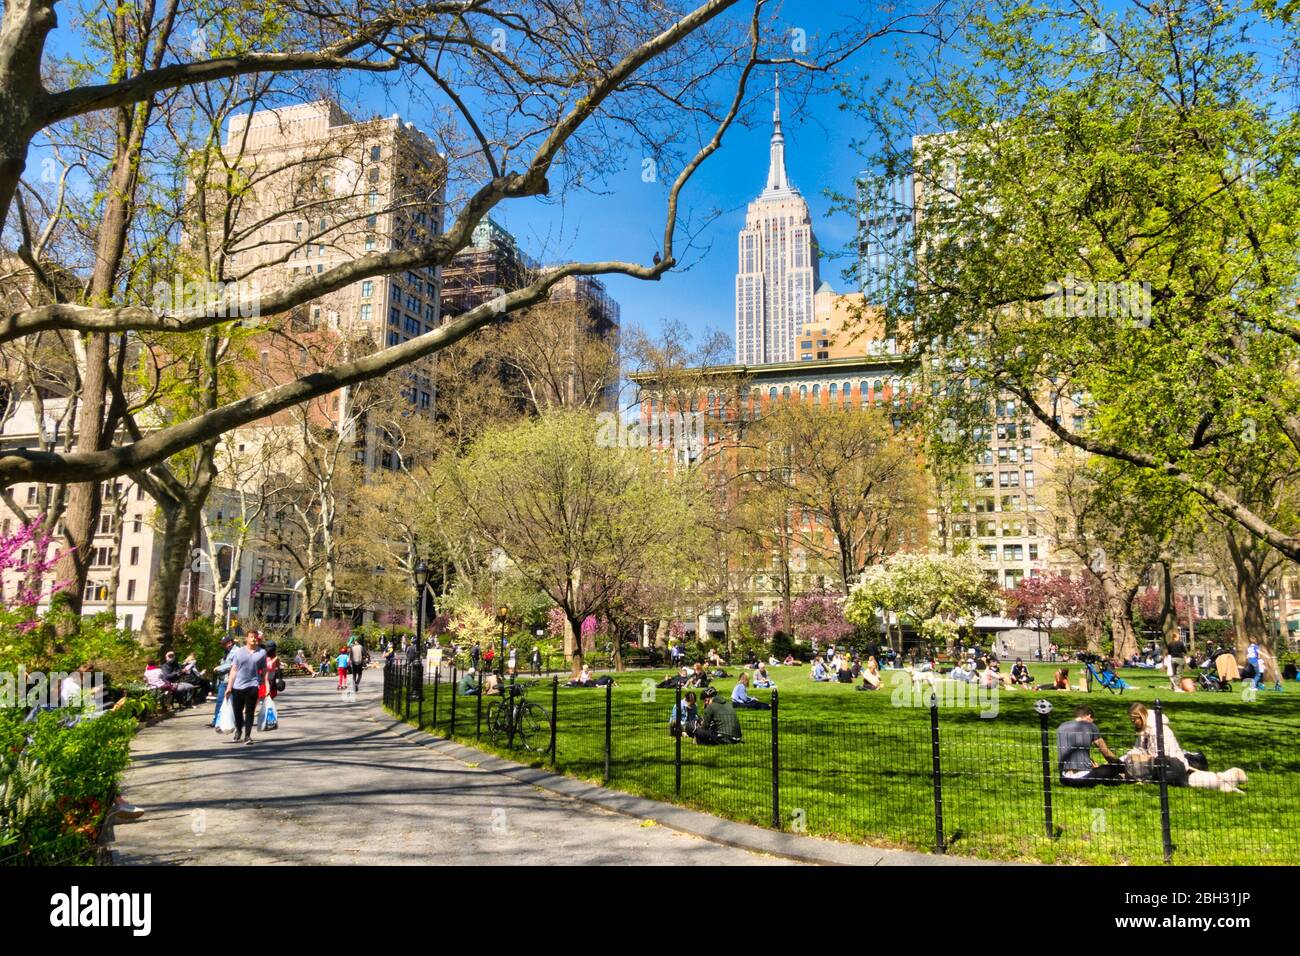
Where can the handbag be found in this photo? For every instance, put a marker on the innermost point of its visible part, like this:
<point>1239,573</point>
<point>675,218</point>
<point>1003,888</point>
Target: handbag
<point>226,719</point>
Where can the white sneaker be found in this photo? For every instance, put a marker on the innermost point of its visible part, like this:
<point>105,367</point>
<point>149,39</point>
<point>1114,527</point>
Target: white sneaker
<point>126,811</point>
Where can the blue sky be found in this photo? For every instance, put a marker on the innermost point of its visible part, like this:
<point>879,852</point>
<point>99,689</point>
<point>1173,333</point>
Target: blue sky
<point>622,217</point>
<point>627,222</point>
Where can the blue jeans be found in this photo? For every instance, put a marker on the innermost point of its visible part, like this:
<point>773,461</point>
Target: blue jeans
<point>221,697</point>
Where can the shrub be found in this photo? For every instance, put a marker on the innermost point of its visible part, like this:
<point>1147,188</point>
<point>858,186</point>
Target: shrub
<point>57,782</point>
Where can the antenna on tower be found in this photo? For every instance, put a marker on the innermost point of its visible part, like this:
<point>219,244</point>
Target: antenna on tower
<point>776,112</point>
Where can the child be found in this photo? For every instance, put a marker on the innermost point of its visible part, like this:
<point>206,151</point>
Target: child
<point>344,660</point>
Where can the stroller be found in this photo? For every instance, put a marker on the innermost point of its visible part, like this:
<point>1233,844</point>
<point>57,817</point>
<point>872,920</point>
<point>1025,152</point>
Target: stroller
<point>1107,678</point>
<point>1209,679</point>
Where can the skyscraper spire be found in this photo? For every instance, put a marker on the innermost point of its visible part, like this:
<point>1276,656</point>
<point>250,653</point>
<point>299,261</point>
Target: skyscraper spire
<point>776,178</point>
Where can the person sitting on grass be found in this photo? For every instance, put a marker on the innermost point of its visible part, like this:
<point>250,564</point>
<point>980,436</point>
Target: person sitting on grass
<point>1060,680</point>
<point>1140,760</point>
<point>960,673</point>
<point>1020,673</point>
<point>676,680</point>
<point>790,661</point>
<point>740,696</point>
<point>467,686</point>
<point>818,672</point>
<point>719,723</point>
<point>697,676</point>
<point>871,675</point>
<point>762,678</point>
<point>1074,742</point>
<point>685,716</point>
<point>844,671</point>
<point>584,678</point>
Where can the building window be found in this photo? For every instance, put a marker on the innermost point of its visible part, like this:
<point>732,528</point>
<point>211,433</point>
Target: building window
<point>374,154</point>
<point>130,590</point>
<point>370,243</point>
<point>138,524</point>
<point>394,338</point>
<point>106,524</point>
<point>367,288</point>
<point>135,556</point>
<point>365,313</point>
<point>1029,478</point>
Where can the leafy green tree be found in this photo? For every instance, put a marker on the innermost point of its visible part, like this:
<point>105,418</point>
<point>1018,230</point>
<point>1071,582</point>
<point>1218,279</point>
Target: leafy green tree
<point>578,519</point>
<point>1106,227</point>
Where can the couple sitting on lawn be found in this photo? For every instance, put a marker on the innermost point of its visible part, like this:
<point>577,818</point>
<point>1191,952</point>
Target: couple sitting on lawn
<point>718,724</point>
<point>1076,738</point>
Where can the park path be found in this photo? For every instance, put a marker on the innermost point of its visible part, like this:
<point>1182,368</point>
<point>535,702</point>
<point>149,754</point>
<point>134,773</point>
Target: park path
<point>332,786</point>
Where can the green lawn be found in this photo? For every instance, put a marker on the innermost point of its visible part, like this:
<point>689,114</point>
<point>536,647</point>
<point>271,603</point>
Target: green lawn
<point>856,766</point>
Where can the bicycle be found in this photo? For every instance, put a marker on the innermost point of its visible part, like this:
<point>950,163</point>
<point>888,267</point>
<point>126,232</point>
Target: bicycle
<point>530,722</point>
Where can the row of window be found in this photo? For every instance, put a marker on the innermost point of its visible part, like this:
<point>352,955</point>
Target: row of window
<point>1005,479</point>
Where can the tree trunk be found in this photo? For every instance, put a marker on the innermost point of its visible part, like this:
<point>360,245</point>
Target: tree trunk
<point>178,523</point>
<point>1248,585</point>
<point>1168,604</point>
<point>115,574</point>
<point>1119,606</point>
<point>82,511</point>
<point>573,643</point>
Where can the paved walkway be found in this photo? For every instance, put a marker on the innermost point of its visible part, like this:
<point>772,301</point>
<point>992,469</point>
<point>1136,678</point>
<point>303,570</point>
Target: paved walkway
<point>334,786</point>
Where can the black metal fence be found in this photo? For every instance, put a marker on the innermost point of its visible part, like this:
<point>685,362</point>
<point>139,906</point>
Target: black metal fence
<point>927,778</point>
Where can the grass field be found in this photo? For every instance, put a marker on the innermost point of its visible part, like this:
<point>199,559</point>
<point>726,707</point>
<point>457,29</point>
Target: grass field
<point>859,767</point>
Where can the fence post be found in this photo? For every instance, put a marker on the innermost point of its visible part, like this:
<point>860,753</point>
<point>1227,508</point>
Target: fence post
<point>1044,708</point>
<point>451,731</point>
<point>677,757</point>
<point>406,690</point>
<point>419,707</point>
<point>776,765</point>
<point>555,704</point>
<point>478,710</point>
<point>510,715</point>
<point>936,773</point>
<point>387,668</point>
<point>1166,835</point>
<point>437,679</point>
<point>609,718</point>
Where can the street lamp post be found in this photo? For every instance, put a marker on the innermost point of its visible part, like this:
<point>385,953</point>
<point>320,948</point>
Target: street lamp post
<point>503,616</point>
<point>421,572</point>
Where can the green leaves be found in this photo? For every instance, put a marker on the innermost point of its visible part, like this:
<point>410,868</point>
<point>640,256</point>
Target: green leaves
<point>1106,228</point>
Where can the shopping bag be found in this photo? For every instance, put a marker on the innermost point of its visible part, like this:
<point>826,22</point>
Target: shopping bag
<point>270,719</point>
<point>226,720</point>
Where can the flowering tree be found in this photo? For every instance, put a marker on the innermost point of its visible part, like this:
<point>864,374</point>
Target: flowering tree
<point>24,573</point>
<point>938,593</point>
<point>1038,599</point>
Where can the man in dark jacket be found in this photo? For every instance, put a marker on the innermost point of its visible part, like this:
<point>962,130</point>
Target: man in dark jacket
<point>719,723</point>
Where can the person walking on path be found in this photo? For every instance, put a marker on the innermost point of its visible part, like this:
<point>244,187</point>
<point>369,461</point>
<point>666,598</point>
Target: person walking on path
<point>537,661</point>
<point>357,651</point>
<point>247,670</point>
<point>271,685</point>
<point>343,661</point>
<point>222,670</point>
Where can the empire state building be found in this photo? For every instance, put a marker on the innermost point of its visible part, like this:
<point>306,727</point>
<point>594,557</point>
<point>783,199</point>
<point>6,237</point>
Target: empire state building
<point>777,272</point>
